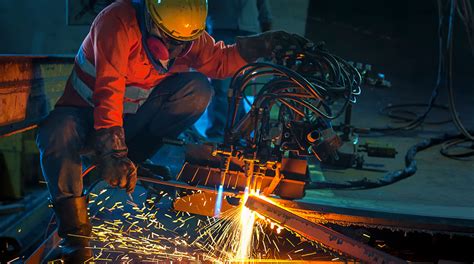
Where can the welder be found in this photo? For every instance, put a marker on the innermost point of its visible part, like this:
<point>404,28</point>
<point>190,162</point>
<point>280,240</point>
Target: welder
<point>141,74</point>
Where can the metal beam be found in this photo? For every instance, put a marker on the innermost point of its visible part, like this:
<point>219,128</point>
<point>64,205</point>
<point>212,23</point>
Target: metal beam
<point>29,85</point>
<point>320,211</point>
<point>184,185</point>
<point>28,228</point>
<point>319,233</point>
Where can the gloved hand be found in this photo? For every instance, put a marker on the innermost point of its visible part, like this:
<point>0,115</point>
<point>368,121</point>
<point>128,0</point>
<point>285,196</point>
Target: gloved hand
<point>113,164</point>
<point>265,44</point>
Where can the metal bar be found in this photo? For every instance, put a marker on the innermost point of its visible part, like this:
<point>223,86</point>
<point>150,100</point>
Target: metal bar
<point>11,208</point>
<point>287,188</point>
<point>29,84</point>
<point>186,186</point>
<point>22,127</point>
<point>174,142</point>
<point>275,181</point>
<point>319,233</point>
<point>50,243</point>
<point>28,227</point>
<point>319,211</point>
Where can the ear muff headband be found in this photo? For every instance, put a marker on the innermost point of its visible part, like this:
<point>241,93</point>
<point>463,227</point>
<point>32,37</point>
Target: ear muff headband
<point>157,44</point>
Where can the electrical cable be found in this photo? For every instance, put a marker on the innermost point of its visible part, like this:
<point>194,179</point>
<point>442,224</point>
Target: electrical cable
<point>448,141</point>
<point>302,85</point>
<point>435,92</point>
<point>448,147</point>
<point>449,75</point>
<point>400,112</point>
<point>391,177</point>
<point>343,79</point>
<point>465,14</point>
<point>445,62</point>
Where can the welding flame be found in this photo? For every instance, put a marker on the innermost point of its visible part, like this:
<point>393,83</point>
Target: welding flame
<point>218,205</point>
<point>247,224</point>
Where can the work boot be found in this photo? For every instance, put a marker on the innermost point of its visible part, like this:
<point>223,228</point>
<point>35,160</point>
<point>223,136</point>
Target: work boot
<point>75,230</point>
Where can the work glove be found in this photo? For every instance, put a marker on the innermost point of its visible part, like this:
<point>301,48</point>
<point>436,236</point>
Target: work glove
<point>113,164</point>
<point>266,44</point>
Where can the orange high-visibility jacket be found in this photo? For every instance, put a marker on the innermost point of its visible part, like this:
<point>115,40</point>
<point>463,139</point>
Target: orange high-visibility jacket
<point>113,74</point>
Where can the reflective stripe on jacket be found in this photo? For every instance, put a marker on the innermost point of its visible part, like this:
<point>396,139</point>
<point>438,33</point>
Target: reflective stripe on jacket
<point>134,96</point>
<point>113,74</point>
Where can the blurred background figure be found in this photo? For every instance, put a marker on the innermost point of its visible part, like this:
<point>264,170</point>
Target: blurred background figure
<point>226,20</point>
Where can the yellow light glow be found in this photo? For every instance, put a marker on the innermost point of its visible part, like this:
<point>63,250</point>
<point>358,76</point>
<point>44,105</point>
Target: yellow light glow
<point>247,223</point>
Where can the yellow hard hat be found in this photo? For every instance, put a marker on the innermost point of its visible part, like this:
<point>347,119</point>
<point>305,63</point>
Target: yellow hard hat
<point>183,20</point>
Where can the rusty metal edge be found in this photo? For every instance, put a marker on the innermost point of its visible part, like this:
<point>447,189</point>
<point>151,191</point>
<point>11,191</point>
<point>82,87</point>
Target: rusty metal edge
<point>376,219</point>
<point>320,233</point>
<point>19,130</point>
<point>51,242</point>
<point>37,56</point>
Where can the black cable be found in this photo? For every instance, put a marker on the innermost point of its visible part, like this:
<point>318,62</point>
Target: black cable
<point>391,177</point>
<point>465,14</point>
<point>448,141</point>
<point>299,94</point>
<point>452,149</point>
<point>399,111</point>
<point>255,70</point>
<point>434,94</point>
<point>449,75</point>
<point>253,73</point>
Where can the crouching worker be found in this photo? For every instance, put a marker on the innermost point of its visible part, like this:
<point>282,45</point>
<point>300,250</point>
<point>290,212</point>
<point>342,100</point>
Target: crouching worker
<point>131,85</point>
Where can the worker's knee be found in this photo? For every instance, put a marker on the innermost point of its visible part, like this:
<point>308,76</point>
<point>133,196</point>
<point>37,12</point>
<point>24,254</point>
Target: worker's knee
<point>61,132</point>
<point>201,84</point>
<point>199,92</point>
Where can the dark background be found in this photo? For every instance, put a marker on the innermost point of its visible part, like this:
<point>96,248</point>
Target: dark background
<point>400,39</point>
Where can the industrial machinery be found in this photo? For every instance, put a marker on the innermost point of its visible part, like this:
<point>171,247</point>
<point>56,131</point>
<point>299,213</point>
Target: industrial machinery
<point>265,151</point>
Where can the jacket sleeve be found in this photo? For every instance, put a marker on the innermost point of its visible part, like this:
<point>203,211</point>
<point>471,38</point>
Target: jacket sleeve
<point>215,60</point>
<point>111,50</point>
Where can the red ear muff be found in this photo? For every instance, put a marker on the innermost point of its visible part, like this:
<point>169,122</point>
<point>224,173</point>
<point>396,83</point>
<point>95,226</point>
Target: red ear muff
<point>157,48</point>
<point>159,51</point>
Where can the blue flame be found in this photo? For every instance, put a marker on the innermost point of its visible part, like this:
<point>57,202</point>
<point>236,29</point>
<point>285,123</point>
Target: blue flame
<point>217,207</point>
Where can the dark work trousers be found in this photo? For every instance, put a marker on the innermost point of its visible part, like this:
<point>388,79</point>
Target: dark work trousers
<point>175,104</point>
<point>217,111</point>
